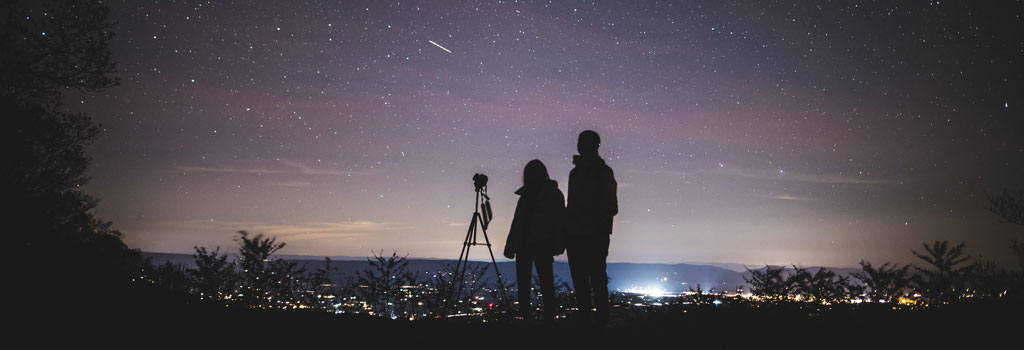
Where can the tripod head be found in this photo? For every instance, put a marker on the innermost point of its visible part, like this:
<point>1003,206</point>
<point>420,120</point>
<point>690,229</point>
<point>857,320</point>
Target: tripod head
<point>480,182</point>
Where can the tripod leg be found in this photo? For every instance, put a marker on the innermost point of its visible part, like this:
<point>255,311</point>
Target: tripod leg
<point>497,272</point>
<point>460,266</point>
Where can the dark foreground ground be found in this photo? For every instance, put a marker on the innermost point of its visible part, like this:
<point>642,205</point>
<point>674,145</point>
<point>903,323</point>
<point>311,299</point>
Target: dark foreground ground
<point>142,324</point>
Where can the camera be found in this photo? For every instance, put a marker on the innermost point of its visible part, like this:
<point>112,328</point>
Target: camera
<point>479,181</point>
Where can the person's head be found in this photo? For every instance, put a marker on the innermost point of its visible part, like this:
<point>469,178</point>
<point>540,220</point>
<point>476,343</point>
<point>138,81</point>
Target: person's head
<point>535,173</point>
<point>588,143</point>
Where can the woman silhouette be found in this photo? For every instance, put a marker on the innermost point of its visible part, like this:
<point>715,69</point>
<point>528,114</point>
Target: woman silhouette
<point>536,235</point>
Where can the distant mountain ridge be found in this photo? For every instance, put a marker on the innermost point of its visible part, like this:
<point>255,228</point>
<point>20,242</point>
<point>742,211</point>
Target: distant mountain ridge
<point>646,277</point>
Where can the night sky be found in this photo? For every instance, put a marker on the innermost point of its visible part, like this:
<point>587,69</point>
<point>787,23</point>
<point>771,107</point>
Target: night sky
<point>811,133</point>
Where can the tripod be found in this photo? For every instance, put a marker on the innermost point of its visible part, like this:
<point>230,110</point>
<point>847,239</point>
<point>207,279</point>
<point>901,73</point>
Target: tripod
<point>482,216</point>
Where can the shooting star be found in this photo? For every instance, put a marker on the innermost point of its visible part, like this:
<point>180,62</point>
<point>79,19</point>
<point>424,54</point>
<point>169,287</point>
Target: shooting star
<point>439,46</point>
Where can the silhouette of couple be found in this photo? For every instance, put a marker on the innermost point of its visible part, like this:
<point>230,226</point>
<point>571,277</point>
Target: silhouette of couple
<point>544,226</point>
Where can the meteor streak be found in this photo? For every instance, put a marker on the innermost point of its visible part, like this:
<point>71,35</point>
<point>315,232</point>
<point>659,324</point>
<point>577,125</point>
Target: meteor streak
<point>439,46</point>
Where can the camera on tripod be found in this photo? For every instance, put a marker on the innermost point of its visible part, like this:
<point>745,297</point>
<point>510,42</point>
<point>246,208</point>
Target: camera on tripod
<point>481,218</point>
<point>479,181</point>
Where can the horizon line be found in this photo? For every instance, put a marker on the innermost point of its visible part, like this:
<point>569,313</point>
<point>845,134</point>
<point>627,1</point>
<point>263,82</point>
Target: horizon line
<point>558,259</point>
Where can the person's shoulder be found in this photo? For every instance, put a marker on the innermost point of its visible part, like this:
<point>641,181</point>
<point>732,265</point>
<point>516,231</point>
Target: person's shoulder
<point>574,173</point>
<point>606,169</point>
<point>552,187</point>
<point>557,192</point>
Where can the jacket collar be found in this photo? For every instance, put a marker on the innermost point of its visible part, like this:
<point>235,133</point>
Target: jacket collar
<point>587,160</point>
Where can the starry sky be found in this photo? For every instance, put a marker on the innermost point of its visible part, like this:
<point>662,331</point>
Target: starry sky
<point>808,132</point>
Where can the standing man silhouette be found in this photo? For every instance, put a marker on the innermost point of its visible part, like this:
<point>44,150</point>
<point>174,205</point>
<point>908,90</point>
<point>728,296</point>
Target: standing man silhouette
<point>592,203</point>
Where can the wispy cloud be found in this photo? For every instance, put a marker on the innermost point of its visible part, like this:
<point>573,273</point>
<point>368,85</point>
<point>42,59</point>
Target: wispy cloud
<point>792,198</point>
<point>792,176</point>
<point>308,170</point>
<point>295,232</point>
<point>454,224</point>
<point>290,231</point>
<point>292,184</point>
<point>275,167</point>
<point>227,169</point>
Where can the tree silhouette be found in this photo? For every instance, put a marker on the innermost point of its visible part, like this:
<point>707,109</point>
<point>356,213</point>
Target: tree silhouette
<point>989,280</point>
<point>823,286</point>
<point>258,276</point>
<point>771,283</point>
<point>45,50</point>
<point>322,290</point>
<point>287,285</point>
<point>944,280</point>
<point>172,278</point>
<point>886,283</point>
<point>500,293</point>
<point>50,48</point>
<point>563,293</point>
<point>214,277</point>
<point>1009,205</point>
<point>382,284</point>
<point>442,287</point>
<point>701,296</point>
<point>798,282</point>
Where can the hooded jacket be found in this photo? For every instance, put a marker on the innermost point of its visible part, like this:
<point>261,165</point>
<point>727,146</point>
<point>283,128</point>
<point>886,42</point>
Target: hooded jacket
<point>539,223</point>
<point>592,199</point>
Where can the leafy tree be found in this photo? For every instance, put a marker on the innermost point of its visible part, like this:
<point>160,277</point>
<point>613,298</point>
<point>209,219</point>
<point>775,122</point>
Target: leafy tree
<point>823,286</point>
<point>214,277</point>
<point>45,50</point>
<point>1009,205</point>
<point>321,291</point>
<point>55,46</point>
<point>770,283</point>
<point>989,281</point>
<point>886,283</point>
<point>382,284</point>
<point>697,294</point>
<point>798,281</point>
<point>944,279</point>
<point>172,277</point>
<point>287,284</point>
<point>258,272</point>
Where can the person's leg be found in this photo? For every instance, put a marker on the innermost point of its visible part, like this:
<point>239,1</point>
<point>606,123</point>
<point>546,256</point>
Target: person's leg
<point>599,278</point>
<point>576,253</point>
<point>523,274</point>
<point>543,263</point>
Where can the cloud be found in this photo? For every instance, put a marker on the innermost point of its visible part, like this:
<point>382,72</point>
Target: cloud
<point>279,167</point>
<point>347,229</point>
<point>288,231</point>
<point>292,184</point>
<point>792,198</point>
<point>792,176</point>
<point>454,224</point>
<point>226,169</point>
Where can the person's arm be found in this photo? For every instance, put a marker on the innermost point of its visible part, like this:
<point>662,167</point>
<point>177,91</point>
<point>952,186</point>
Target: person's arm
<point>514,232</point>
<point>572,207</point>
<point>611,189</point>
<point>570,189</point>
<point>561,223</point>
